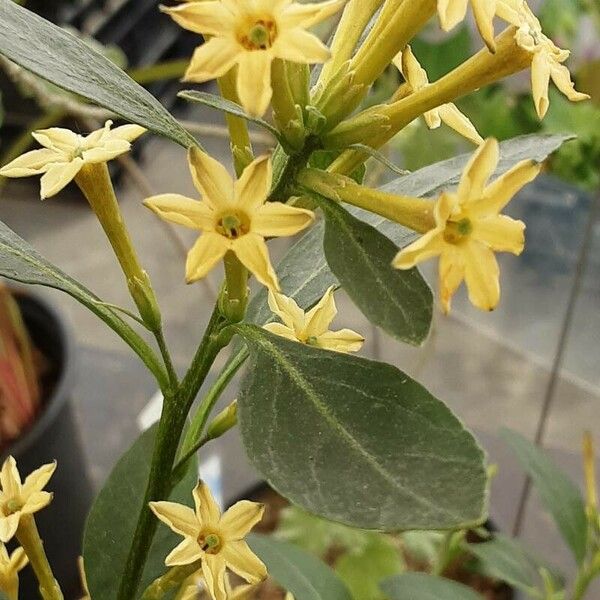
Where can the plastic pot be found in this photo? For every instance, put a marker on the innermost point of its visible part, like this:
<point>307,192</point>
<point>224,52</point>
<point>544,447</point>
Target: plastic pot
<point>55,436</point>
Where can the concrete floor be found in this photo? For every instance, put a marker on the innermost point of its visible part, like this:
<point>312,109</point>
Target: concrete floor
<point>493,370</point>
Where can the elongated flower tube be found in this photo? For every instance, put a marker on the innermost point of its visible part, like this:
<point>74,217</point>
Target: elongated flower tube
<point>453,12</point>
<point>251,34</point>
<point>416,79</point>
<point>233,217</point>
<point>469,229</point>
<point>312,327</point>
<point>10,565</point>
<point>547,58</point>
<point>214,538</point>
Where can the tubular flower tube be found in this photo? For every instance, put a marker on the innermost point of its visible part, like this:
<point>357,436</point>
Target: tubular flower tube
<point>547,57</point>
<point>19,499</point>
<point>233,217</point>
<point>312,328</point>
<point>10,565</point>
<point>416,79</point>
<point>217,540</point>
<point>469,229</point>
<point>452,12</point>
<point>65,153</point>
<point>251,34</point>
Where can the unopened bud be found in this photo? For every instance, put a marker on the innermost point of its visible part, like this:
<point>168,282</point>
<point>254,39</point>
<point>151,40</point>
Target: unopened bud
<point>223,422</point>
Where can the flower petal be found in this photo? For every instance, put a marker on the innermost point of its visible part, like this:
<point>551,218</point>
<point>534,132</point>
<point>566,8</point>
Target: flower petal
<point>253,253</point>
<point>344,340</point>
<point>276,220</point>
<point>213,59</point>
<point>500,233</point>
<point>182,210</point>
<point>254,81</point>
<point>109,150</point>
<point>239,520</point>
<point>540,79</point>
<point>412,71</point>
<point>287,310</point>
<point>321,315</point>
<point>455,119</point>
<point>562,79</point>
<point>451,13</point>
<point>57,137</point>
<point>35,162</point>
<point>8,527</point>
<point>309,14</point>
<point>10,479</point>
<point>213,570</point>
<point>252,188</point>
<point>36,502</point>
<point>36,481</point>
<point>129,133</point>
<point>281,330</point>
<point>181,519</point>
<point>451,272</point>
<point>482,276</point>
<point>186,553</point>
<point>484,12</point>
<point>240,559</point>
<point>300,46</point>
<point>478,170</point>
<point>427,246</point>
<point>207,510</point>
<point>18,560</point>
<point>210,18</point>
<point>58,176</point>
<point>211,179</point>
<point>208,250</point>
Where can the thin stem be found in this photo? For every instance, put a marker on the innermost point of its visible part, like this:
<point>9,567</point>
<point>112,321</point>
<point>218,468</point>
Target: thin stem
<point>29,538</point>
<point>166,355</point>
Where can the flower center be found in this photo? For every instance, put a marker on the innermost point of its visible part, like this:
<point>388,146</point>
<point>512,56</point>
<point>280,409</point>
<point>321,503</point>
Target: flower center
<point>260,35</point>
<point>233,225</point>
<point>457,231</point>
<point>11,507</point>
<point>210,543</point>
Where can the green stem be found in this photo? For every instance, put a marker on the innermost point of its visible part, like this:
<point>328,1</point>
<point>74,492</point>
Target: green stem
<point>29,538</point>
<point>171,580</point>
<point>172,422</point>
<point>164,351</point>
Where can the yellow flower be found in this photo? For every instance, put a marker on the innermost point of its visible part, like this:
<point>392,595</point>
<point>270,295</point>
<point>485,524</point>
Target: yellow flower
<point>251,34</point>
<point>234,217</point>
<point>312,328</point>
<point>192,591</point>
<point>65,152</point>
<point>416,79</point>
<point>17,499</point>
<point>452,12</point>
<point>9,571</point>
<point>547,57</point>
<point>215,539</point>
<point>469,229</point>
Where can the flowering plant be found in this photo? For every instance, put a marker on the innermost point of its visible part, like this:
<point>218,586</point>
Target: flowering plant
<point>344,437</point>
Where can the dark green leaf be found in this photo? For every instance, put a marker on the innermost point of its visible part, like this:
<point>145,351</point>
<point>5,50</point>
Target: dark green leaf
<point>112,520</point>
<point>419,586</point>
<point>305,576</point>
<point>400,302</point>
<point>20,262</point>
<point>558,493</point>
<point>229,107</point>
<point>357,441</point>
<point>59,57</point>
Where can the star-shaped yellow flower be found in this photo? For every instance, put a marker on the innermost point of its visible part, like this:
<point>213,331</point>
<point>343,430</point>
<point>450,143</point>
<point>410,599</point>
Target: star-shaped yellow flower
<point>234,217</point>
<point>9,571</point>
<point>312,328</point>
<point>547,57</point>
<point>416,78</point>
<point>17,499</point>
<point>251,34</point>
<point>215,539</point>
<point>65,152</point>
<point>469,229</point>
<point>453,12</point>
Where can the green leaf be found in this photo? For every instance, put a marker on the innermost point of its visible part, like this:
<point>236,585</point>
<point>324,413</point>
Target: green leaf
<point>356,441</point>
<point>419,586</point>
<point>20,262</point>
<point>400,302</point>
<point>560,496</point>
<point>59,57</point>
<point>113,517</point>
<point>506,560</point>
<point>307,577</point>
<point>364,571</point>
<point>229,107</point>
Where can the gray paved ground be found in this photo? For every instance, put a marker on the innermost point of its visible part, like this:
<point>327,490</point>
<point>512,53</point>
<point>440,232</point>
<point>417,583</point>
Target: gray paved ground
<point>492,369</point>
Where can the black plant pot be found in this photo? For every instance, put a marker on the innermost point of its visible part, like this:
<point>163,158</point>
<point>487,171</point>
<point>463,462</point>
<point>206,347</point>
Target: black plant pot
<point>55,436</point>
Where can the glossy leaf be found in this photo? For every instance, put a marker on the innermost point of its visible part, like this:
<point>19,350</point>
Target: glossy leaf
<point>559,495</point>
<point>113,517</point>
<point>420,586</point>
<point>356,441</point>
<point>307,577</point>
<point>62,59</point>
<point>400,302</point>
